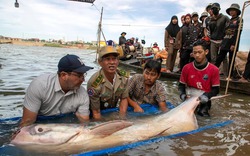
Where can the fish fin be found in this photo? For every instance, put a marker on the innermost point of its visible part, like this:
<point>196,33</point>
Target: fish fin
<point>110,127</point>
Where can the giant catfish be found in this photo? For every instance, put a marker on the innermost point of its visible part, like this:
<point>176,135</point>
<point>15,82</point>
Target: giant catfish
<point>69,139</point>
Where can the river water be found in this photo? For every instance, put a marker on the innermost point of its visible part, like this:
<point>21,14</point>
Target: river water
<point>20,64</point>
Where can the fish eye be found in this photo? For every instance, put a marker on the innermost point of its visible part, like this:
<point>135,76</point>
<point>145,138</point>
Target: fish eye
<point>38,130</point>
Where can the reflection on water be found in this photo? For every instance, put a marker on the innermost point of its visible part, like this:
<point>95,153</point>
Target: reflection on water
<point>20,64</point>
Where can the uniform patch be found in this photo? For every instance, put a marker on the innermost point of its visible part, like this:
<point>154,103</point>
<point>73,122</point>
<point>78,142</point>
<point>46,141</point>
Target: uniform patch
<point>91,91</point>
<point>205,77</point>
<point>123,73</point>
<point>97,81</point>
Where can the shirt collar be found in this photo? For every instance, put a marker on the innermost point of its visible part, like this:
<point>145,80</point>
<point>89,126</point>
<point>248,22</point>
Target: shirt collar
<point>59,88</point>
<point>57,84</point>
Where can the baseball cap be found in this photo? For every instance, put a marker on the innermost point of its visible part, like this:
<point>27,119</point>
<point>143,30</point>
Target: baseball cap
<point>107,50</point>
<point>72,63</point>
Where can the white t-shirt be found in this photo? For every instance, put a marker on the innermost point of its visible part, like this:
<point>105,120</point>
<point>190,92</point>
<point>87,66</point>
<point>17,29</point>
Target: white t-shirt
<point>46,97</point>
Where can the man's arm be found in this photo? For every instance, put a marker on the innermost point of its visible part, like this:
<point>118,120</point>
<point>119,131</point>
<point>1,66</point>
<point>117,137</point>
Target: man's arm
<point>28,117</point>
<point>163,107</point>
<point>82,118</point>
<point>97,114</point>
<point>123,107</point>
<point>182,91</point>
<point>135,105</point>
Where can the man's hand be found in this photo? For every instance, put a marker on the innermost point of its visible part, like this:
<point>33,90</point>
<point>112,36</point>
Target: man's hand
<point>138,109</point>
<point>203,99</point>
<point>183,97</point>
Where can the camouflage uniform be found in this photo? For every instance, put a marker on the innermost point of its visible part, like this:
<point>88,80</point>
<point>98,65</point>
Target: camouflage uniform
<point>105,95</point>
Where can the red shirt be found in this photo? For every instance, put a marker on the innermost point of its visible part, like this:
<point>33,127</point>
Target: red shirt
<point>203,79</point>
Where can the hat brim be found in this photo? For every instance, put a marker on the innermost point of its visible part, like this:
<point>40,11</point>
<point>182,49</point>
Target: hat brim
<point>83,69</point>
<point>113,53</point>
<point>202,16</point>
<point>238,11</point>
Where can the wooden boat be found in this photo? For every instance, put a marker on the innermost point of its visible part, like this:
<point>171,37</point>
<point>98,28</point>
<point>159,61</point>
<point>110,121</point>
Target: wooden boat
<point>234,86</point>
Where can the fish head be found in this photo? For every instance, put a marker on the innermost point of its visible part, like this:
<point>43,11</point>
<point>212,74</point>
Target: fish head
<point>46,134</point>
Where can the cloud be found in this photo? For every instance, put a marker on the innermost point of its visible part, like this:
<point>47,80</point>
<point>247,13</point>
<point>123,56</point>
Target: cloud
<point>70,20</point>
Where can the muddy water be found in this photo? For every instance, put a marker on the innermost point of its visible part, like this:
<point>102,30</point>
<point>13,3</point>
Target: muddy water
<point>20,64</point>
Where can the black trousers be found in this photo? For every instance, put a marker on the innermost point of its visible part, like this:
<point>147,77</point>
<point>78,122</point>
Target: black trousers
<point>222,55</point>
<point>246,74</point>
<point>184,57</point>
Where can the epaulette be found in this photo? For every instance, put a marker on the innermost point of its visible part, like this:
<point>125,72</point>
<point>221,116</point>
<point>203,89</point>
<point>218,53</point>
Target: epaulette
<point>123,73</point>
<point>97,81</point>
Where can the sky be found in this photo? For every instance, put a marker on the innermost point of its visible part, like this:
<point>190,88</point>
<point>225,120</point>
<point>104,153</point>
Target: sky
<point>71,21</point>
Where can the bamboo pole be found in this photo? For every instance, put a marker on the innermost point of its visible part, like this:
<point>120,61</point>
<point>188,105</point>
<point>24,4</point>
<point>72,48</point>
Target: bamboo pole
<point>99,36</point>
<point>246,3</point>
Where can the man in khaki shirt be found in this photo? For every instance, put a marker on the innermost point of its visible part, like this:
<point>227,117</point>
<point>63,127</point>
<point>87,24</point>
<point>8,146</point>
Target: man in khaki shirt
<point>107,88</point>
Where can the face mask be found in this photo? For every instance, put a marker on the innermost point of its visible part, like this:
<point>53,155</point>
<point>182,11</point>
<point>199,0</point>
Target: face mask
<point>215,11</point>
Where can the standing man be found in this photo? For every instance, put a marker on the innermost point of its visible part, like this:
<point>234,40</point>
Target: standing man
<point>195,31</point>
<point>145,88</point>
<point>202,75</point>
<point>183,42</point>
<point>229,40</point>
<point>54,94</point>
<point>217,27</point>
<point>107,88</point>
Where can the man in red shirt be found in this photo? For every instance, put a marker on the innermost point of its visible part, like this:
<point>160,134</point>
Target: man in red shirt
<point>200,74</point>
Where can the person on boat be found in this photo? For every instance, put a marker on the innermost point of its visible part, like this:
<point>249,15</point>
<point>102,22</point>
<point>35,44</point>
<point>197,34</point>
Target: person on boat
<point>155,47</point>
<point>200,74</point>
<point>217,25</point>
<point>110,43</point>
<point>55,94</point>
<point>122,41</point>
<point>246,74</point>
<point>107,88</point>
<point>230,38</point>
<point>137,44</point>
<point>169,41</point>
<point>145,88</point>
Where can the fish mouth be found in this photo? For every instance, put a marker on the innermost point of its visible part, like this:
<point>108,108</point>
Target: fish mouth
<point>15,133</point>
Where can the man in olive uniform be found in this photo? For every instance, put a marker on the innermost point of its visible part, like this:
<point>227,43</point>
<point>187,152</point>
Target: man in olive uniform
<point>107,88</point>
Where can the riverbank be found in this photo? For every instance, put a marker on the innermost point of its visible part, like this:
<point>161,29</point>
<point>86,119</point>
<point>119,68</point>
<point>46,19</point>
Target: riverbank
<point>48,44</point>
